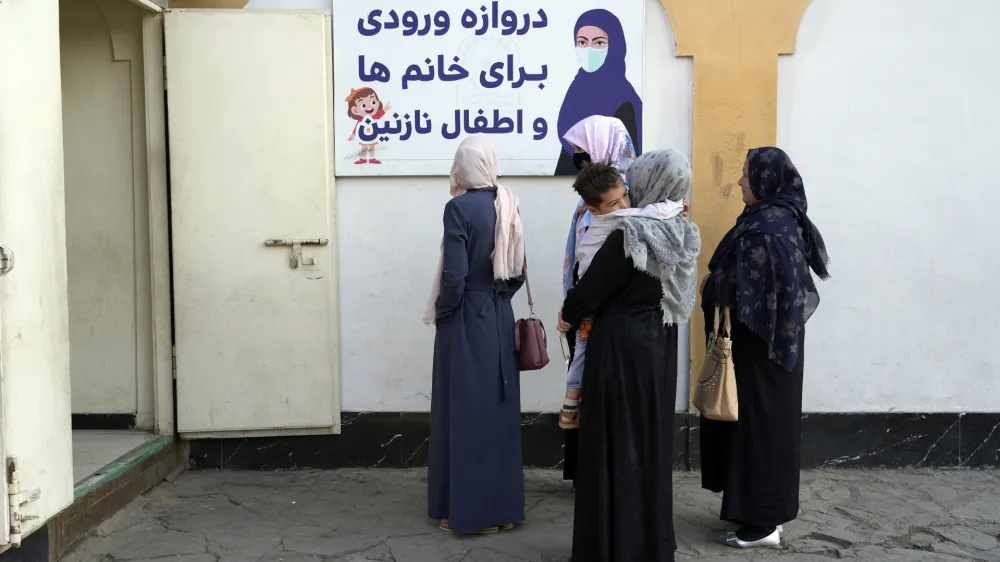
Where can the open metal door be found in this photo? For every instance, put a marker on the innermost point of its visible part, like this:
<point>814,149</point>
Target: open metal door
<point>35,425</point>
<point>249,109</point>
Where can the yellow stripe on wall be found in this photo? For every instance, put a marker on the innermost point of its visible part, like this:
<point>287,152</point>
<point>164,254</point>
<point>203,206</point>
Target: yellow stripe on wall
<point>735,46</point>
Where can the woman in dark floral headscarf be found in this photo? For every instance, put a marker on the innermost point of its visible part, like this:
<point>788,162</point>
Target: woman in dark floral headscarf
<point>761,271</point>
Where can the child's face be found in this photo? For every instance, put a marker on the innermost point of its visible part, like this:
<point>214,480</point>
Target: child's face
<point>365,106</point>
<point>612,200</point>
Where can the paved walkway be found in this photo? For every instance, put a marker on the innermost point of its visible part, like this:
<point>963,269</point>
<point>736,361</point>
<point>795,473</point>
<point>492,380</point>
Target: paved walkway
<point>378,515</point>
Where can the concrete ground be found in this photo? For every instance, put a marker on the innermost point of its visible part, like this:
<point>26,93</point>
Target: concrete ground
<point>379,515</point>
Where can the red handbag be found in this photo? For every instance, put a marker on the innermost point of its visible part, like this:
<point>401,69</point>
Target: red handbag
<point>529,336</point>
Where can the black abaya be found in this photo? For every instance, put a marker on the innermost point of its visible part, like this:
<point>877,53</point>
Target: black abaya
<point>755,461</point>
<point>624,499</point>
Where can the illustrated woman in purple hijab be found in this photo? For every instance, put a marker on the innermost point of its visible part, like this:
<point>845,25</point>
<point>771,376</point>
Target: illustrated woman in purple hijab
<point>600,86</point>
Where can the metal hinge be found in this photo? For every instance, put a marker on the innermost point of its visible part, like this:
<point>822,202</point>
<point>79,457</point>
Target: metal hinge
<point>16,502</point>
<point>164,72</point>
<point>173,360</point>
<point>6,260</point>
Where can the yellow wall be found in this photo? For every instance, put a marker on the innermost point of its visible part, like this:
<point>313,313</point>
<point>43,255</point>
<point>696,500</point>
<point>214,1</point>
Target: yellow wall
<point>735,45</point>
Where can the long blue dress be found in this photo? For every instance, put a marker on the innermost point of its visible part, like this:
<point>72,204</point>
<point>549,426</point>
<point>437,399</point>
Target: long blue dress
<point>475,472</point>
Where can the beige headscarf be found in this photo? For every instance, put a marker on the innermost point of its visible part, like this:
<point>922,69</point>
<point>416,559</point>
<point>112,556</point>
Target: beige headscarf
<point>475,167</point>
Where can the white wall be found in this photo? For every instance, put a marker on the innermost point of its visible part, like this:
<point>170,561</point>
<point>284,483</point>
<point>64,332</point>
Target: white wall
<point>389,237</point>
<point>889,109</point>
<point>389,233</point>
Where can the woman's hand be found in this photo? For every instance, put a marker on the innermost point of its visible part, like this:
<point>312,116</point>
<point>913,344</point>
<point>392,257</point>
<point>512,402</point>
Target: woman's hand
<point>562,327</point>
<point>687,208</point>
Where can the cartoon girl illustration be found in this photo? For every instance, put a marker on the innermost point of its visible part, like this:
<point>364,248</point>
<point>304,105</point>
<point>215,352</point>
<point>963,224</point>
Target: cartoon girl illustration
<point>364,104</point>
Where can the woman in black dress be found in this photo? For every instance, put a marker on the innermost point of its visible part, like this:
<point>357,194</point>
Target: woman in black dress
<point>640,285</point>
<point>761,271</point>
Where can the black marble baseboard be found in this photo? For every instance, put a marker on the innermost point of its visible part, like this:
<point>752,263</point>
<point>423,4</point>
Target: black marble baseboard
<point>367,440</point>
<point>103,421</point>
<point>34,548</point>
<point>399,440</point>
<point>892,440</point>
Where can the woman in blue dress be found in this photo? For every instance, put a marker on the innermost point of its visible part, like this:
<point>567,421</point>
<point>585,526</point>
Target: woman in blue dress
<point>475,471</point>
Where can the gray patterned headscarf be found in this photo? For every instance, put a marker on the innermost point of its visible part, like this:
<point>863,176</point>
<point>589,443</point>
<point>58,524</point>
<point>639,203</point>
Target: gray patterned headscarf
<point>666,249</point>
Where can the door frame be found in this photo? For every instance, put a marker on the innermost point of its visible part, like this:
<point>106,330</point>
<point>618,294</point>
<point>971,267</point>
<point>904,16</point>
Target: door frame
<point>159,217</point>
<point>160,300</point>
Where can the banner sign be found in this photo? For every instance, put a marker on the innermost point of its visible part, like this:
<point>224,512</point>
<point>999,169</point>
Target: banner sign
<point>410,82</point>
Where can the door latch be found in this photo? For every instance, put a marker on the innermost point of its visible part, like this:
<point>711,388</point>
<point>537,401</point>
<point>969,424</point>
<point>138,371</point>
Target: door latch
<point>295,259</point>
<point>6,260</point>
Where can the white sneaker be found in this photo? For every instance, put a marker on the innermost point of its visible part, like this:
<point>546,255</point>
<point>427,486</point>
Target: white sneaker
<point>770,541</point>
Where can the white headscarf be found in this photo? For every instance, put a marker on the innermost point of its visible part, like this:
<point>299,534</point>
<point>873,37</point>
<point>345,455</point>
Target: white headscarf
<point>605,139</point>
<point>475,167</point>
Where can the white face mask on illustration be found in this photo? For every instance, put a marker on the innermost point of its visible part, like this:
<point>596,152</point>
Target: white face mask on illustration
<point>590,58</point>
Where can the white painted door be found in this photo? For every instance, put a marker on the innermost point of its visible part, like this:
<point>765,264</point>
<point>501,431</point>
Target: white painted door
<point>35,426</point>
<point>249,106</point>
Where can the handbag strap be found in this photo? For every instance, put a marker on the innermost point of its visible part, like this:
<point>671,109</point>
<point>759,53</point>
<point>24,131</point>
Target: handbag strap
<point>527,284</point>
<point>725,322</point>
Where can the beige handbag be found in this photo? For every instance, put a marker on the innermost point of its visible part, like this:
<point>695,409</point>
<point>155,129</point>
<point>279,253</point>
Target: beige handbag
<point>715,393</point>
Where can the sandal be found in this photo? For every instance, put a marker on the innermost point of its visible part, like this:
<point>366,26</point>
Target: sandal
<point>487,531</point>
<point>569,418</point>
